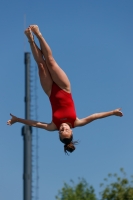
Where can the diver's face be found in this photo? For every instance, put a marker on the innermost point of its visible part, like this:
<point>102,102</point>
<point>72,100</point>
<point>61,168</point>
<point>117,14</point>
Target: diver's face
<point>65,131</point>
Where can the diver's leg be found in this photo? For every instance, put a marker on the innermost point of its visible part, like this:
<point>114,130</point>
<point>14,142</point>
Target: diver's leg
<point>57,74</point>
<point>45,77</point>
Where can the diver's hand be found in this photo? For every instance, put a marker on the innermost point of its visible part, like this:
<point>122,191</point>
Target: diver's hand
<point>13,120</point>
<point>118,112</point>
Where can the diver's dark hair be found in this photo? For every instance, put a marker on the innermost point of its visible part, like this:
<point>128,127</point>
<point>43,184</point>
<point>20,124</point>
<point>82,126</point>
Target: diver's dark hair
<point>69,144</point>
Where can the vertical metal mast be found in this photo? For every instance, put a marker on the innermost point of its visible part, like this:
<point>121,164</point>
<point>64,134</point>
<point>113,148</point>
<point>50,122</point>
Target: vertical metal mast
<point>27,136</point>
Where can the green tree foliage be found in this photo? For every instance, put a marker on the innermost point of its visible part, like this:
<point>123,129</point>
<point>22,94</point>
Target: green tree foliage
<point>120,189</point>
<point>81,191</point>
<point>113,188</point>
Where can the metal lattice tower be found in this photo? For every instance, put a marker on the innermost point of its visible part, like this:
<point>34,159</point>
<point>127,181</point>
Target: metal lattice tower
<point>30,179</point>
<point>27,136</point>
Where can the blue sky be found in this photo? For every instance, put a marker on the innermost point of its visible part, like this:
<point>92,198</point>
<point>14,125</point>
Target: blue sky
<point>93,42</point>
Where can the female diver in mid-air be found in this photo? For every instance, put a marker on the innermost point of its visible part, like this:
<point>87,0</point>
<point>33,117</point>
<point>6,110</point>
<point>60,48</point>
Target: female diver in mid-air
<point>56,85</point>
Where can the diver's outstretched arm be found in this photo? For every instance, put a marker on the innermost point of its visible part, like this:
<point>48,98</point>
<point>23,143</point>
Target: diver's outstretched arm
<point>48,127</point>
<point>87,120</point>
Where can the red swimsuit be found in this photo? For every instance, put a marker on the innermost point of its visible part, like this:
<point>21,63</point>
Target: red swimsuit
<point>63,109</point>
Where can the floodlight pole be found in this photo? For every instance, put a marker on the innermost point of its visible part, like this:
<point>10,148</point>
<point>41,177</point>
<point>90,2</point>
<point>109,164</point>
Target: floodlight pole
<point>27,136</point>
